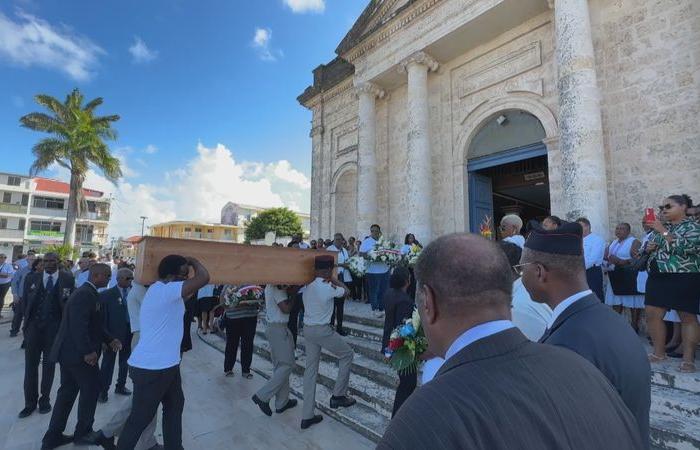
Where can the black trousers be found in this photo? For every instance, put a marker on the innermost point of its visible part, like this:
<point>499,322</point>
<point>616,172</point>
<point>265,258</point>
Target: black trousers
<point>80,378</point>
<point>18,315</point>
<point>240,331</point>
<point>338,310</point>
<point>107,366</point>
<point>407,384</point>
<point>3,292</point>
<point>594,276</point>
<point>293,323</point>
<point>151,388</point>
<point>37,346</point>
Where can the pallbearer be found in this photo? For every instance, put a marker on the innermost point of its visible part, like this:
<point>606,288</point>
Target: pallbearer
<point>318,303</point>
<point>278,303</point>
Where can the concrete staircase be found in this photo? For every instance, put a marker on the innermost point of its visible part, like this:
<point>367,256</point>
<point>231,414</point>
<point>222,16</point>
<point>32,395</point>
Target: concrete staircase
<point>675,411</point>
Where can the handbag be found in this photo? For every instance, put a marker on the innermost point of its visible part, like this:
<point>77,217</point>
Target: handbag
<point>623,281</point>
<point>640,264</point>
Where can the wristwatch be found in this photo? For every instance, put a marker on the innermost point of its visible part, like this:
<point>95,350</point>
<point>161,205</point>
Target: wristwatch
<point>664,234</point>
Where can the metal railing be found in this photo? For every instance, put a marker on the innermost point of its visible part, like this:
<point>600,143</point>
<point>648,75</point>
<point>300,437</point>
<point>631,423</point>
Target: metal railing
<point>12,208</point>
<point>11,234</point>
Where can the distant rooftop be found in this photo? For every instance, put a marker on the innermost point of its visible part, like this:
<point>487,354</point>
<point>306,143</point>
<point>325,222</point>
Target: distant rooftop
<point>61,187</point>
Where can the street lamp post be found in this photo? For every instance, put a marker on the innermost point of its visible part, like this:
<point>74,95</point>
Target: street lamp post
<point>143,222</point>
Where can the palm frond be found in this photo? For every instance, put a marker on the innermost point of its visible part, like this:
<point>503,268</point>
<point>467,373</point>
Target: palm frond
<point>52,104</point>
<point>92,104</point>
<point>42,122</point>
<point>47,152</point>
<point>108,164</point>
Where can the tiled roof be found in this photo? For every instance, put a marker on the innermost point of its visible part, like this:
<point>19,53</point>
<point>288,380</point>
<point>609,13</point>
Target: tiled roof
<point>60,187</point>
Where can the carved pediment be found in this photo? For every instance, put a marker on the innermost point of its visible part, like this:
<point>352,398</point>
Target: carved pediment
<point>377,13</point>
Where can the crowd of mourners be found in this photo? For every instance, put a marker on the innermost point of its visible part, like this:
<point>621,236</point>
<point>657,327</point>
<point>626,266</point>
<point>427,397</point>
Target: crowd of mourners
<point>542,326</point>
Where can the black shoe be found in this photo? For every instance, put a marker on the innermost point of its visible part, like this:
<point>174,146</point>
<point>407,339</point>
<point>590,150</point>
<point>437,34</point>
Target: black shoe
<point>674,354</point>
<point>264,406</point>
<point>291,403</point>
<point>342,332</point>
<point>13,334</point>
<point>103,397</point>
<point>97,438</point>
<point>122,390</point>
<point>27,411</point>
<point>344,401</point>
<point>306,423</point>
<point>44,408</point>
<point>62,439</point>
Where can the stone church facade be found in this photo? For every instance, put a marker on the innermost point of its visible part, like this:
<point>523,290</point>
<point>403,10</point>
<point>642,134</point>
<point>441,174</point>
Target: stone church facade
<point>399,115</point>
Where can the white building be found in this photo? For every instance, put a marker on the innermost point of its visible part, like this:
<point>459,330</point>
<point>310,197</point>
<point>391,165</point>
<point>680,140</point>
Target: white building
<point>33,215</point>
<point>240,215</point>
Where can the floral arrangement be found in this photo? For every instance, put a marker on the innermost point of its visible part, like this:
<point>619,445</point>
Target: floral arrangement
<point>357,266</point>
<point>412,255</point>
<point>406,343</point>
<point>386,252</point>
<point>485,228</point>
<point>246,295</point>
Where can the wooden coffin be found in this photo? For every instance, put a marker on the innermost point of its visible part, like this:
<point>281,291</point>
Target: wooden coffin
<point>230,263</point>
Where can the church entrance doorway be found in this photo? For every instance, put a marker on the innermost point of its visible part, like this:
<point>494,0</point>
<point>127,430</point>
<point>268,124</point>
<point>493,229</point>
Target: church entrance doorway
<point>508,171</point>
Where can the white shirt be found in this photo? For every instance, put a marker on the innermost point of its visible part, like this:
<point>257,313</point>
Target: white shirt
<point>342,259</point>
<point>133,304</point>
<point>430,369</point>
<point>556,312</point>
<point>7,269</point>
<point>517,239</point>
<point>529,316</point>
<point>161,327</point>
<point>273,297</point>
<point>82,278</point>
<point>54,279</point>
<point>593,250</point>
<point>304,245</point>
<point>318,301</point>
<point>206,291</point>
<point>374,267</point>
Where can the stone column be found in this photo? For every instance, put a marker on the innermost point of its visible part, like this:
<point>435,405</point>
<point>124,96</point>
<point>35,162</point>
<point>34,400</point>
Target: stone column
<point>366,157</point>
<point>316,176</point>
<point>583,176</point>
<point>418,171</point>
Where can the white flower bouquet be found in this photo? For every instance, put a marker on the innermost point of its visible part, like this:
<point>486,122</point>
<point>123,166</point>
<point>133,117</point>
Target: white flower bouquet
<point>386,252</point>
<point>357,266</point>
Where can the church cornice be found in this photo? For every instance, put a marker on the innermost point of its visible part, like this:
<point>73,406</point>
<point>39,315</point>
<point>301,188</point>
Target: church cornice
<point>353,49</point>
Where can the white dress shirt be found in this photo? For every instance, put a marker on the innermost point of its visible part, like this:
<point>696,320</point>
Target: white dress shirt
<point>375,267</point>
<point>529,316</point>
<point>343,257</point>
<point>517,239</point>
<point>556,312</point>
<point>54,279</point>
<point>593,250</point>
<point>318,299</point>
<point>82,278</point>
<point>6,269</point>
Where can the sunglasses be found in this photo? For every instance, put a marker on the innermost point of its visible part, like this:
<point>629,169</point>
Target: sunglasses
<point>667,206</point>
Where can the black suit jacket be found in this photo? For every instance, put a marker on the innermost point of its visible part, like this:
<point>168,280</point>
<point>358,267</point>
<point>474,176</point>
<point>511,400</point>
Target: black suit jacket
<point>604,338</point>
<point>504,392</point>
<point>398,306</point>
<point>34,291</point>
<point>115,313</point>
<point>81,331</point>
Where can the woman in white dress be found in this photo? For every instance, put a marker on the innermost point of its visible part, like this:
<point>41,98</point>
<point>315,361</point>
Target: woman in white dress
<point>621,291</point>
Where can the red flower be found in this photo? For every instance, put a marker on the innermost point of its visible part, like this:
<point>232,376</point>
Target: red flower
<point>395,344</point>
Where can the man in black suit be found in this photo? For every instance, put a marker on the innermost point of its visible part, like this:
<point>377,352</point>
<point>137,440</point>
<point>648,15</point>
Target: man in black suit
<point>44,295</point>
<point>497,390</point>
<point>77,348</point>
<point>553,272</point>
<point>115,313</point>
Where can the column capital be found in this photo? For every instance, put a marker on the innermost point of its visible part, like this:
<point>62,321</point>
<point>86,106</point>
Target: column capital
<point>421,58</point>
<point>371,89</point>
<point>315,131</point>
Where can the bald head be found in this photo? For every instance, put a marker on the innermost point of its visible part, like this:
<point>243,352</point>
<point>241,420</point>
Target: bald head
<point>100,274</point>
<point>465,271</point>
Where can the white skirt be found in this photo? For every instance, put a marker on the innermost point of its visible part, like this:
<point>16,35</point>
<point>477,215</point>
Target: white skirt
<point>628,301</point>
<point>672,316</point>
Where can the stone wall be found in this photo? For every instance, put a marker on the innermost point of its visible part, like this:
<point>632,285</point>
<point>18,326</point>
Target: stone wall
<point>648,65</point>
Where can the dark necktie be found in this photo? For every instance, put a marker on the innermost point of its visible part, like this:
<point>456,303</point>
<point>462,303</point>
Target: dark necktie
<point>126,306</point>
<point>49,283</point>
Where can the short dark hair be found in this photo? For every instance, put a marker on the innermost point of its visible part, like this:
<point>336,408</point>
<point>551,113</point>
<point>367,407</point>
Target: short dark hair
<point>512,251</point>
<point>625,224</point>
<point>583,220</point>
<point>682,199</point>
<point>170,265</point>
<point>465,270</point>
<point>399,277</point>
<point>99,268</point>
<point>374,225</point>
<point>554,219</point>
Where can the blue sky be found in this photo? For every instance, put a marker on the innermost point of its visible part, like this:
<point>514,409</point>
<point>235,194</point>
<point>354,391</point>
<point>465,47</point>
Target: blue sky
<point>206,91</point>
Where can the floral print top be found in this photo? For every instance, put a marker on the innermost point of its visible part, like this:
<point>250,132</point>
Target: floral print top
<point>683,254</point>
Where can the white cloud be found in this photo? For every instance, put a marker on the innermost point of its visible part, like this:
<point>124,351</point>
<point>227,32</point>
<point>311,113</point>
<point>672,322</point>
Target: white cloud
<point>199,189</point>
<point>262,43</point>
<point>140,52</point>
<point>302,6</point>
<point>30,41</point>
<point>150,149</point>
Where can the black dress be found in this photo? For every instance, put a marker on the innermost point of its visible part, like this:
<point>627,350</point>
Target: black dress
<point>398,306</point>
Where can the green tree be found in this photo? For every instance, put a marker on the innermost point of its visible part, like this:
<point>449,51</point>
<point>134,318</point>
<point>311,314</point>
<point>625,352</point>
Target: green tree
<point>76,142</point>
<point>63,251</point>
<point>282,221</point>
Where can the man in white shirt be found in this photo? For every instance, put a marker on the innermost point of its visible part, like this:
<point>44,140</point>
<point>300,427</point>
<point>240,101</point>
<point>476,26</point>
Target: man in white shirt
<point>6,272</point>
<point>377,273</point>
<point>318,303</point>
<point>345,276</point>
<point>593,254</point>
<point>155,362</point>
<point>510,230</point>
<point>279,301</point>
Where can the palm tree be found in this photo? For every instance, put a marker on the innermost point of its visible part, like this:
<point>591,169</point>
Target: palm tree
<point>77,141</point>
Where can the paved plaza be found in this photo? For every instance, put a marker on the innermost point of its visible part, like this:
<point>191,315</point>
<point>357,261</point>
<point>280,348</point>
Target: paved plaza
<point>218,411</point>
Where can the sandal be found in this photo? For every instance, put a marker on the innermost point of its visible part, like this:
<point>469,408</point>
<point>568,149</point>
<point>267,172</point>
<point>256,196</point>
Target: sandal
<point>229,373</point>
<point>247,375</point>
<point>656,359</point>
<point>687,367</point>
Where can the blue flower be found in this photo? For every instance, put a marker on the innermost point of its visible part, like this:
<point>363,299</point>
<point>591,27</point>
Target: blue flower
<point>407,330</point>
